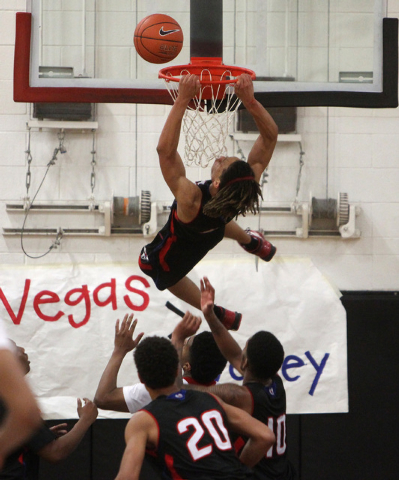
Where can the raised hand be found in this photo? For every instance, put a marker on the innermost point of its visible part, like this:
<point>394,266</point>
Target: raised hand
<point>88,411</point>
<point>189,86</point>
<point>207,296</point>
<point>244,88</point>
<point>124,341</point>
<point>187,326</point>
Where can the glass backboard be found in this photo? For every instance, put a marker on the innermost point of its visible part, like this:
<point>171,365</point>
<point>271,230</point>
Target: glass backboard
<point>304,52</point>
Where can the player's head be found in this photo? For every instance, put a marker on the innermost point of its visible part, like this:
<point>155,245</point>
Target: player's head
<point>157,362</point>
<point>202,359</point>
<point>237,191</point>
<point>263,355</point>
<point>22,357</point>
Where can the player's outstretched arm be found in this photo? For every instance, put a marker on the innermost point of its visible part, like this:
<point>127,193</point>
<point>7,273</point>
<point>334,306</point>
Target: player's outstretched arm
<point>226,343</point>
<point>108,396</point>
<point>260,437</point>
<point>139,434</point>
<point>187,327</point>
<point>64,445</point>
<point>23,416</point>
<point>187,194</point>
<point>262,150</point>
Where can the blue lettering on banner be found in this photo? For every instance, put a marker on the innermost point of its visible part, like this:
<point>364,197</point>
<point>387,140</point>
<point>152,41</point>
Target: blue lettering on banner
<point>233,374</point>
<point>293,361</point>
<point>319,369</point>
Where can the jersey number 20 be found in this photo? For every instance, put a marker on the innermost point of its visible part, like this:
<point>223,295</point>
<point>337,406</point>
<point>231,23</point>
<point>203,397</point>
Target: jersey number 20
<point>212,421</point>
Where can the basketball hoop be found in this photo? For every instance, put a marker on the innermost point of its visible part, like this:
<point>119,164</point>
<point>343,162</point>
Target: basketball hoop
<point>208,117</point>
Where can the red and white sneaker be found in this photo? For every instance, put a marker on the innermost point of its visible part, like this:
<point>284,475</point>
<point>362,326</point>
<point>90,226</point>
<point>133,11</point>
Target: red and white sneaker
<point>231,320</point>
<point>265,250</point>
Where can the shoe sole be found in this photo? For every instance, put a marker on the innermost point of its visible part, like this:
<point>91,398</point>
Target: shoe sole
<point>237,322</point>
<point>271,254</point>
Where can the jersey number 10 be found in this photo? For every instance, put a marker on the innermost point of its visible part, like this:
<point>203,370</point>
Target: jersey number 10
<point>278,427</point>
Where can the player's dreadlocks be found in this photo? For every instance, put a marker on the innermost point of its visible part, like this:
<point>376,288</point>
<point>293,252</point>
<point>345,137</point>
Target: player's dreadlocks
<point>238,193</point>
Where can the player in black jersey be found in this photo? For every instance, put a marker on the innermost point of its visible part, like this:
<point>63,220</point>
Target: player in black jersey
<point>187,432</point>
<point>202,214</point>
<point>262,394</point>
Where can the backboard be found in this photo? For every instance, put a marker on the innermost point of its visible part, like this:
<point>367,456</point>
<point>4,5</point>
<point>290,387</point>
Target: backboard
<point>304,52</point>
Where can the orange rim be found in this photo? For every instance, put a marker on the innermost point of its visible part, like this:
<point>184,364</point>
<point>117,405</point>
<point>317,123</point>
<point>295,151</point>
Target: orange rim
<point>214,66</point>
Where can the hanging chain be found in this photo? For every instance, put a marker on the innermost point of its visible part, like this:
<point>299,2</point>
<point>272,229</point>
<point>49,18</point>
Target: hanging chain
<point>58,238</point>
<point>239,149</point>
<point>301,164</point>
<point>59,149</point>
<point>61,137</point>
<point>93,163</point>
<point>29,160</point>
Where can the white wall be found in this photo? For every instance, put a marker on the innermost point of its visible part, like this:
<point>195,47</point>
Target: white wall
<point>347,150</point>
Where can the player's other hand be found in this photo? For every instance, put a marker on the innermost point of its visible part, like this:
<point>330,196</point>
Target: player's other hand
<point>60,429</point>
<point>244,88</point>
<point>189,86</point>
<point>124,341</point>
<point>187,326</point>
<point>88,411</point>
<point>207,296</point>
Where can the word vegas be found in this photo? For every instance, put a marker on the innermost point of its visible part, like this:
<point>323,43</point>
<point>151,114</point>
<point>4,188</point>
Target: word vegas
<point>102,296</point>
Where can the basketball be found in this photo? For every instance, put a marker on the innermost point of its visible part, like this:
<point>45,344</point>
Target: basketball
<point>158,38</point>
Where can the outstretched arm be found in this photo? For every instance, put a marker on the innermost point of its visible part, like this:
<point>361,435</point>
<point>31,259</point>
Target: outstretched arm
<point>226,343</point>
<point>187,194</point>
<point>260,437</point>
<point>262,150</point>
<point>64,445</point>
<point>141,432</point>
<point>187,327</point>
<point>108,396</point>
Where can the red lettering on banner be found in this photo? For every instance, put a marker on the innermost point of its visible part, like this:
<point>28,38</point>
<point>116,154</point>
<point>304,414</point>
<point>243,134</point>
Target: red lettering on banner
<point>112,296</point>
<point>144,295</point>
<point>84,294</point>
<point>76,296</point>
<point>39,300</point>
<point>16,318</point>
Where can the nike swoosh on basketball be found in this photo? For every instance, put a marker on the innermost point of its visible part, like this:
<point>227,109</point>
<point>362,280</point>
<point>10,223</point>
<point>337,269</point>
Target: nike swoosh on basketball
<point>167,32</point>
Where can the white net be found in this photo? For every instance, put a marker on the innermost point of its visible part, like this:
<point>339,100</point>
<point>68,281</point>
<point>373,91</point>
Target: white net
<point>206,123</point>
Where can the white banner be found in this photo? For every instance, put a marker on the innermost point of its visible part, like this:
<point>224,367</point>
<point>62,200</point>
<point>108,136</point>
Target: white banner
<point>64,316</point>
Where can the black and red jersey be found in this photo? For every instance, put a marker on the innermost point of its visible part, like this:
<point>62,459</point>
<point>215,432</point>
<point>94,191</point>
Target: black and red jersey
<point>269,406</point>
<point>194,442</point>
<point>179,246</point>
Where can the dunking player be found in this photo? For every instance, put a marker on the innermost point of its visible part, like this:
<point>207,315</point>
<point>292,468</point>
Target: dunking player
<point>262,393</point>
<point>186,431</point>
<point>202,214</point>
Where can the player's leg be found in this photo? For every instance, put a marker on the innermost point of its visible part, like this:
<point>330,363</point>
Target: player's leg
<point>189,292</point>
<point>251,241</point>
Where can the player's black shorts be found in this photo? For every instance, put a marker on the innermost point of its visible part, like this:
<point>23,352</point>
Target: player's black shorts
<point>170,257</point>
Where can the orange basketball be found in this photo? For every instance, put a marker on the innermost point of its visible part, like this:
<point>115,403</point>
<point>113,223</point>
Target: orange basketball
<point>158,38</point>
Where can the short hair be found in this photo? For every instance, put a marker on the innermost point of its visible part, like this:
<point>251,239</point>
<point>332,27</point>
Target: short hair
<point>235,197</point>
<point>206,360</point>
<point>265,355</point>
<point>156,361</point>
